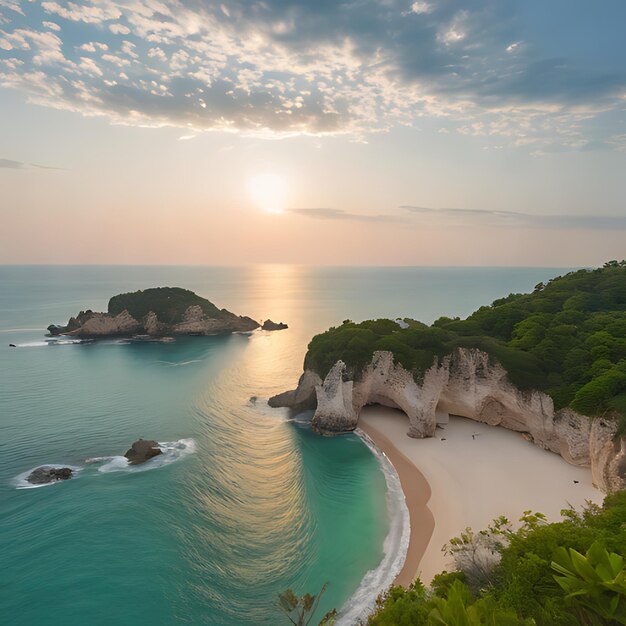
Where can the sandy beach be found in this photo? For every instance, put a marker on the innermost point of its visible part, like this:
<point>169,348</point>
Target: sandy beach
<point>467,475</point>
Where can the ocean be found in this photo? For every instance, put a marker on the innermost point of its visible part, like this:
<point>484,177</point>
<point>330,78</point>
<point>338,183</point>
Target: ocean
<point>246,501</point>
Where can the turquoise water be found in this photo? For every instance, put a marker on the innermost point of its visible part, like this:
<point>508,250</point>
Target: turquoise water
<point>247,501</point>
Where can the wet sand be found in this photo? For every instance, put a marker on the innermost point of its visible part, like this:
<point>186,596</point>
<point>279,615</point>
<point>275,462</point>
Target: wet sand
<point>417,494</point>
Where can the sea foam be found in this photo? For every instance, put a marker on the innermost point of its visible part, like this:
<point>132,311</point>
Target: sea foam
<point>395,547</point>
<point>171,451</point>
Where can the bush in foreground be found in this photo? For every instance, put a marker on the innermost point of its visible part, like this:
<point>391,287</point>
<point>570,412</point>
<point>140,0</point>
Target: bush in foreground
<point>566,573</point>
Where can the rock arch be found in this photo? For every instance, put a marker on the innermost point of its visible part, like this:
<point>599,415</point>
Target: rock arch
<point>469,384</point>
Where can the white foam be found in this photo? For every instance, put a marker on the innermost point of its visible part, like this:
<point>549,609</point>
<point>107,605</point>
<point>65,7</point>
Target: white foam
<point>19,330</point>
<point>171,451</point>
<point>174,364</point>
<point>395,546</point>
<point>114,464</point>
<point>51,342</point>
<point>67,342</point>
<point>21,481</point>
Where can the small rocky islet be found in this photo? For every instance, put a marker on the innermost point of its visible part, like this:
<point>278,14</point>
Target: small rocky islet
<point>140,451</point>
<point>44,475</point>
<point>158,313</point>
<point>269,325</point>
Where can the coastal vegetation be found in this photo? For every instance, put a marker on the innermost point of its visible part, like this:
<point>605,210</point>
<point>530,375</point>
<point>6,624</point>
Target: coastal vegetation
<point>300,610</point>
<point>566,573</point>
<point>566,338</point>
<point>169,304</point>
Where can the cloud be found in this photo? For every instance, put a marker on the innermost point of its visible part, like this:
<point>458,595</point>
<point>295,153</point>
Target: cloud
<point>284,67</point>
<point>46,167</point>
<point>18,165</point>
<point>8,163</point>
<point>484,217</point>
<point>421,7</point>
<point>119,29</point>
<point>339,214</point>
<point>472,218</point>
<point>14,5</point>
<point>93,12</point>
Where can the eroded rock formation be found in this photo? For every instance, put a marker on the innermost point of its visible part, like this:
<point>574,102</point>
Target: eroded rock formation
<point>142,450</point>
<point>269,325</point>
<point>44,475</point>
<point>466,383</point>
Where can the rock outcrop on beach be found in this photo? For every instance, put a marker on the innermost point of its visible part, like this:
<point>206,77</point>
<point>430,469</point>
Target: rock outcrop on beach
<point>470,384</point>
<point>44,475</point>
<point>142,450</point>
<point>155,312</point>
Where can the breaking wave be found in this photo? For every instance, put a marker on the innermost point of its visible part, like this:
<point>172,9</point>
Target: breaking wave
<point>171,451</point>
<point>51,342</point>
<point>395,547</point>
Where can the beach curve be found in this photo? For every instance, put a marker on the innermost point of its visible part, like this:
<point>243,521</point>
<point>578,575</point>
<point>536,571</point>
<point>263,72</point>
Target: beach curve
<point>417,493</point>
<point>467,475</point>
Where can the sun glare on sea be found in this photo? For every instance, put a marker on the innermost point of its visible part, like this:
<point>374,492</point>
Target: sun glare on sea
<point>268,192</point>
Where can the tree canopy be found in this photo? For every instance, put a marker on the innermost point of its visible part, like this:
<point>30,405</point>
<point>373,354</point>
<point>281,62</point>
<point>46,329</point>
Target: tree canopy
<point>169,304</point>
<point>567,338</point>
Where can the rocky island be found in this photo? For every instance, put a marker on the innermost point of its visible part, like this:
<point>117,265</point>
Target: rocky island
<point>550,364</point>
<point>156,312</point>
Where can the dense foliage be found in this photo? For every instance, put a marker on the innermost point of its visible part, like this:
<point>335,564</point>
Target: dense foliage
<point>169,304</point>
<point>567,337</point>
<point>561,574</point>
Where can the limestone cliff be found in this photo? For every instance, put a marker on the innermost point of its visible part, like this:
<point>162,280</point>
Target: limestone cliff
<point>466,383</point>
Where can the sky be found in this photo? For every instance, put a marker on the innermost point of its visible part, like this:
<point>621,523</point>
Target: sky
<point>358,132</point>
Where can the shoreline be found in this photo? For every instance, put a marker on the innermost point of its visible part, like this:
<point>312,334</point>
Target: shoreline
<point>467,475</point>
<point>417,493</point>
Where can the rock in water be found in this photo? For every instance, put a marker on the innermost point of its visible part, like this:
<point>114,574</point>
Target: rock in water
<point>44,475</point>
<point>142,450</point>
<point>269,325</point>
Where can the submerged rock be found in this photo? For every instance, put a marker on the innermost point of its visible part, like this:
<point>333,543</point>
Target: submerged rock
<point>142,450</point>
<point>44,475</point>
<point>269,325</point>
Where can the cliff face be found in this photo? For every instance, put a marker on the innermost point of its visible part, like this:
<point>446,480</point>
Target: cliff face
<point>469,384</point>
<point>88,324</point>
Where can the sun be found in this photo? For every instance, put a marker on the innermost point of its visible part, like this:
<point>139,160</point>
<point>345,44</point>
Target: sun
<point>268,192</point>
